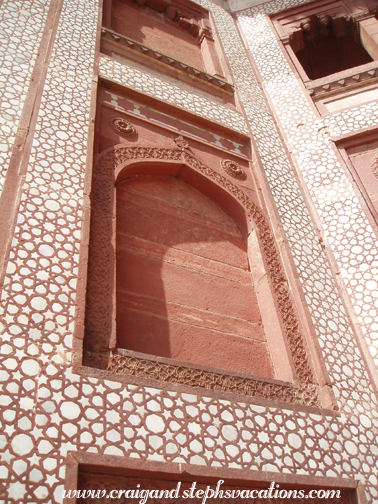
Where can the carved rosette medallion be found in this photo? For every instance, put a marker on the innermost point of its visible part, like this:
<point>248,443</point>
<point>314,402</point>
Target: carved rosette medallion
<point>122,127</point>
<point>233,169</point>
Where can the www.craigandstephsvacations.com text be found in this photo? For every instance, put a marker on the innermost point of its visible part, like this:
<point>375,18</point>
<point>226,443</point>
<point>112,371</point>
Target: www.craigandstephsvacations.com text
<point>142,495</point>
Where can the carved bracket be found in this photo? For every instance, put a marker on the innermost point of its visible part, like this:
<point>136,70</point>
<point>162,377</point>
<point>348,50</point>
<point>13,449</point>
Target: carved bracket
<point>322,24</point>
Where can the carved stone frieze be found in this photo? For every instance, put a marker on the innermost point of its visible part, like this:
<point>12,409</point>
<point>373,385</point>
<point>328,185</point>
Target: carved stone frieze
<point>192,376</point>
<point>351,80</point>
<point>233,169</point>
<point>374,165</point>
<point>101,278</point>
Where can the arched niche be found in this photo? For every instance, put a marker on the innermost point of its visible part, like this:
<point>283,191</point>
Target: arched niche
<point>282,333</point>
<point>183,285</point>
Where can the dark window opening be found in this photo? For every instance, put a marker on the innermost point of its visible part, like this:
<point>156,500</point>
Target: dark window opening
<point>325,46</point>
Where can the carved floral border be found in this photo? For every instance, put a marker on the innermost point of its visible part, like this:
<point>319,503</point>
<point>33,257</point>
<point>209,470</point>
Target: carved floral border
<point>374,165</point>
<point>99,291</point>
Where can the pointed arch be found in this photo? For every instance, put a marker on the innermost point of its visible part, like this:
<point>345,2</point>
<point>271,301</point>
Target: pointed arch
<point>121,162</point>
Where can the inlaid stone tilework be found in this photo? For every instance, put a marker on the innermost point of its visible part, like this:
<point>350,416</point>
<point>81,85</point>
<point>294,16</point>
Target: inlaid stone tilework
<point>352,120</point>
<point>46,410</point>
<point>151,85</point>
<point>21,27</point>
<point>308,253</point>
<point>38,298</point>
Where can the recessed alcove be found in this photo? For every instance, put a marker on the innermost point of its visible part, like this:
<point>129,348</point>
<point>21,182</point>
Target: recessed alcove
<point>328,54</point>
<point>185,283</point>
<point>184,288</point>
<point>333,47</point>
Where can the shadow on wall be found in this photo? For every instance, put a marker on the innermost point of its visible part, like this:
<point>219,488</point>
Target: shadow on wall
<point>184,288</point>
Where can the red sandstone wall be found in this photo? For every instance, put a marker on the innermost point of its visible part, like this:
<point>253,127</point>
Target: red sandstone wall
<point>184,289</point>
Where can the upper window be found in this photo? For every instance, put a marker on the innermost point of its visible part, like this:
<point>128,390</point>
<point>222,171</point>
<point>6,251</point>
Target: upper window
<point>325,45</point>
<point>334,48</point>
<point>173,36</point>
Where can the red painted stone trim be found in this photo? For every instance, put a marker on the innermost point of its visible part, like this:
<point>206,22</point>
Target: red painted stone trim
<point>100,337</point>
